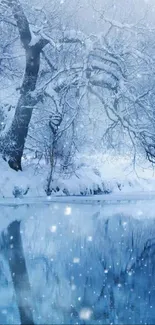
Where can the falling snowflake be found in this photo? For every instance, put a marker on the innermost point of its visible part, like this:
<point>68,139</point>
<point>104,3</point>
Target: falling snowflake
<point>53,228</point>
<point>68,210</point>
<point>105,271</point>
<point>73,287</point>
<point>119,285</point>
<point>85,313</point>
<point>139,213</point>
<point>76,260</point>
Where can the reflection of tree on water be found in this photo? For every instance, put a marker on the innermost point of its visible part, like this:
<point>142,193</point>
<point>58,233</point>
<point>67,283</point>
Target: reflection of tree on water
<point>130,294</point>
<point>107,277</point>
<point>128,285</point>
<point>12,244</point>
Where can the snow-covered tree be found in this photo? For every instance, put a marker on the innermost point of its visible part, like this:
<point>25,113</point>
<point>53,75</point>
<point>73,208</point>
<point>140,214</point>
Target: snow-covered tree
<point>96,87</point>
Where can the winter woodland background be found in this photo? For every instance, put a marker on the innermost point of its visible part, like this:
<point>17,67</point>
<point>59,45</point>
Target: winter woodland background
<point>78,77</point>
<point>77,116</point>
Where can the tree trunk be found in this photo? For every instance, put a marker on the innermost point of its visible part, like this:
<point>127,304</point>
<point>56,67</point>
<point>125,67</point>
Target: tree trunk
<point>13,144</point>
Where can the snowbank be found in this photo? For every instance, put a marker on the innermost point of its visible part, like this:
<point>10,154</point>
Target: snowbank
<point>92,175</point>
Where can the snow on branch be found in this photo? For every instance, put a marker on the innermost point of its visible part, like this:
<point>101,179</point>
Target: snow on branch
<point>129,27</point>
<point>69,37</point>
<point>108,69</point>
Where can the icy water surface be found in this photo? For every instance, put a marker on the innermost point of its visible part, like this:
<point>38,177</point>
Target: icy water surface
<point>87,264</point>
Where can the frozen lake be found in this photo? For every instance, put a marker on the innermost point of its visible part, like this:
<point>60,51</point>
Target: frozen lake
<point>89,263</point>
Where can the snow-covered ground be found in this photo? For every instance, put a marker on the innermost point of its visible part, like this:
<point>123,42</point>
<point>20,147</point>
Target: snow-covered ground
<point>93,174</point>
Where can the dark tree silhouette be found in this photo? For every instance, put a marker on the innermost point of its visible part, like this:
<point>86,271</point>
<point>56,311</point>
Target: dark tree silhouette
<point>12,145</point>
<point>12,244</point>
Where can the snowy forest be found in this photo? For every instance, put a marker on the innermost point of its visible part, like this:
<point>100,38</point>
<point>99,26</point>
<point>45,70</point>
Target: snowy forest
<point>77,96</point>
<point>77,158</point>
